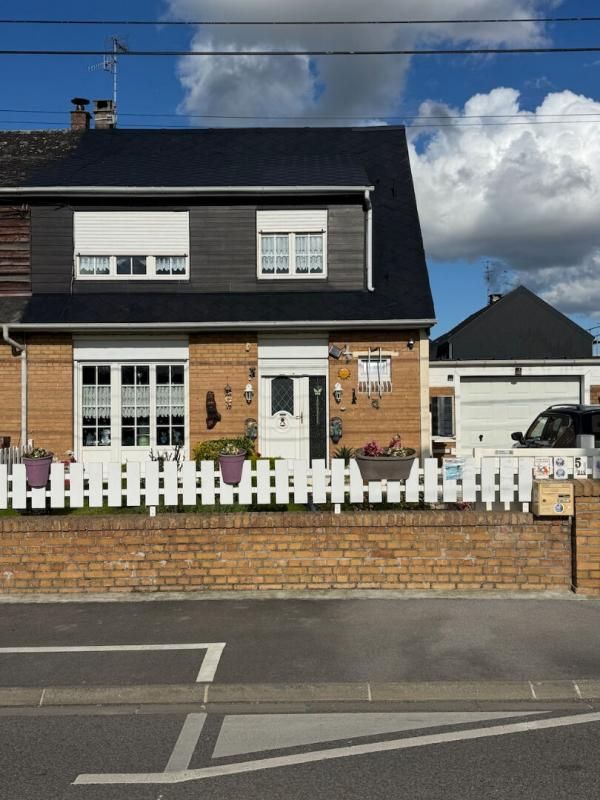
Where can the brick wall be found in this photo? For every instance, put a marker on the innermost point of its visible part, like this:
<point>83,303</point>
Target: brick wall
<point>215,361</point>
<point>586,538</point>
<point>399,411</point>
<point>594,394</point>
<point>10,394</point>
<point>50,391</point>
<point>374,550</point>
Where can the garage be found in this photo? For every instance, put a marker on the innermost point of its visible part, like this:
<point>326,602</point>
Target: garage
<point>491,408</point>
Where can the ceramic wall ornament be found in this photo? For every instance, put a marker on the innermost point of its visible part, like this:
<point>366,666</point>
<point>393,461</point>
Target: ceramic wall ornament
<point>251,428</point>
<point>336,429</point>
<point>343,373</point>
<point>228,397</point>
<point>212,414</point>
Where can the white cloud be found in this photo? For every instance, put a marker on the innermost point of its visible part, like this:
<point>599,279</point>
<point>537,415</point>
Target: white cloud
<point>526,194</point>
<point>362,86</point>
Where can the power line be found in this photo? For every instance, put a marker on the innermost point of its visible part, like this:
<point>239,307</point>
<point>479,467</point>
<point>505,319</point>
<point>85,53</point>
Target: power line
<point>256,53</point>
<point>171,126</point>
<point>475,21</point>
<point>371,114</point>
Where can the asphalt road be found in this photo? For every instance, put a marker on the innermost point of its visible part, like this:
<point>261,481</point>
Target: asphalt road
<point>270,641</point>
<point>49,756</point>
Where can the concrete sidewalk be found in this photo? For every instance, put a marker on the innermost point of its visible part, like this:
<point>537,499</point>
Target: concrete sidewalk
<point>357,694</point>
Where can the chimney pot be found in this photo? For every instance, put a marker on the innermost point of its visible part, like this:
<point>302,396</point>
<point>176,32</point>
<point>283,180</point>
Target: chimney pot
<point>104,114</point>
<point>80,118</point>
<point>493,298</point>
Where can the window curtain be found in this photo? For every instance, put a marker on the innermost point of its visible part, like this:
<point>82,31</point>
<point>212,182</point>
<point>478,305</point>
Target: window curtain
<point>135,401</point>
<point>170,400</point>
<point>96,399</point>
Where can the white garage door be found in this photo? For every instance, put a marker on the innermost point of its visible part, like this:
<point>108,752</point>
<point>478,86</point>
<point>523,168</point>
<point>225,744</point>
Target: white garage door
<point>492,408</point>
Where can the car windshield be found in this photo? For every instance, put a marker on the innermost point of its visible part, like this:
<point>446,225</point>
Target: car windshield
<point>552,430</point>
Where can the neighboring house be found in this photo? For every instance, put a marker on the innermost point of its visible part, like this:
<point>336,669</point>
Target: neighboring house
<point>142,270</point>
<point>497,369</point>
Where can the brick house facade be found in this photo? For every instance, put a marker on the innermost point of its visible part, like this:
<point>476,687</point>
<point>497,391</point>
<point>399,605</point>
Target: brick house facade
<point>146,275</point>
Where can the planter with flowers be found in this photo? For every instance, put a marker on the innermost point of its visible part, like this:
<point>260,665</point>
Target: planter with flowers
<point>231,462</point>
<point>37,466</point>
<point>392,463</point>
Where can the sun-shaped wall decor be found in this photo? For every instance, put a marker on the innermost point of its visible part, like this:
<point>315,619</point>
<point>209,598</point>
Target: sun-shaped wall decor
<point>343,373</point>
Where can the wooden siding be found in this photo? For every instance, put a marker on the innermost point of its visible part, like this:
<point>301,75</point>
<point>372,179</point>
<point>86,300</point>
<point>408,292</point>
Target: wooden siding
<point>15,250</point>
<point>222,253</point>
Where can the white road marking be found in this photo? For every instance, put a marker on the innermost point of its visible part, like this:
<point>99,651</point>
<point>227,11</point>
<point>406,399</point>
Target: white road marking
<point>214,650</point>
<point>333,753</point>
<point>577,691</point>
<point>186,743</point>
<point>210,663</point>
<point>533,694</point>
<point>245,734</point>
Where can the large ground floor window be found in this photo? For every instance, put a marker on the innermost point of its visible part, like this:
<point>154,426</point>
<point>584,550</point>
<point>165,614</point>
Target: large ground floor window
<point>131,406</point>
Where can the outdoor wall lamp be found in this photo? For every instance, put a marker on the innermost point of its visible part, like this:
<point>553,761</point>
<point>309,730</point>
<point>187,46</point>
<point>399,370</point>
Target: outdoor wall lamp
<point>248,393</point>
<point>338,392</point>
<point>411,343</point>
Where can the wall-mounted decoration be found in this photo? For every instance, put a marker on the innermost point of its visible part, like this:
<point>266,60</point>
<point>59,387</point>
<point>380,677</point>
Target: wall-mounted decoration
<point>212,415</point>
<point>228,397</point>
<point>336,429</point>
<point>251,372</point>
<point>248,393</point>
<point>343,373</point>
<point>251,428</point>
<point>375,403</point>
<point>317,392</point>
<point>338,392</point>
<point>354,400</point>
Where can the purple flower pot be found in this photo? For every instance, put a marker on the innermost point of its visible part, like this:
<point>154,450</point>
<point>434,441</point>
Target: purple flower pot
<point>37,471</point>
<point>231,468</point>
<point>391,468</point>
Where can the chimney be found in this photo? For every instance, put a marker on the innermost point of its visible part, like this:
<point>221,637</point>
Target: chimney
<point>80,118</point>
<point>493,298</point>
<point>104,114</point>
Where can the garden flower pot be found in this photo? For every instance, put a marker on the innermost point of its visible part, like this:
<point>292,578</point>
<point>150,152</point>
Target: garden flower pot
<point>231,468</point>
<point>391,468</point>
<point>37,471</point>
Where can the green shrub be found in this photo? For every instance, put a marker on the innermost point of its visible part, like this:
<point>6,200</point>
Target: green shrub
<point>209,450</point>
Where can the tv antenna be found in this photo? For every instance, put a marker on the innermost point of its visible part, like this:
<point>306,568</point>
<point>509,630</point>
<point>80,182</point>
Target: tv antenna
<point>110,63</point>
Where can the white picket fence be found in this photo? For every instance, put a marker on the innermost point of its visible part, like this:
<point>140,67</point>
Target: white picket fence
<point>10,456</point>
<point>505,480</point>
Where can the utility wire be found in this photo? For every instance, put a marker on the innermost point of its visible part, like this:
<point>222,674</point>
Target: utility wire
<point>233,53</point>
<point>171,126</point>
<point>378,115</point>
<point>475,21</point>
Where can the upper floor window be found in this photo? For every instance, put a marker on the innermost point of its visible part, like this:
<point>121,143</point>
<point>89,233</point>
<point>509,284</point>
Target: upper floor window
<point>292,244</point>
<point>131,244</point>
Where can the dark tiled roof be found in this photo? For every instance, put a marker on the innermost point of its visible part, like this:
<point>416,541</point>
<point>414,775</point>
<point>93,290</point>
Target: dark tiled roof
<point>238,157</point>
<point>198,157</point>
<point>194,308</point>
<point>519,325</point>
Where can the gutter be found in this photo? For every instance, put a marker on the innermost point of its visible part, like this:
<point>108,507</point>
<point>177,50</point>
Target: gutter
<point>517,362</point>
<point>23,356</point>
<point>143,191</point>
<point>369,241</point>
<point>86,327</point>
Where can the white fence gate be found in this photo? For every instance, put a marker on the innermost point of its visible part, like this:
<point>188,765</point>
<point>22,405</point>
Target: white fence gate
<point>505,480</point>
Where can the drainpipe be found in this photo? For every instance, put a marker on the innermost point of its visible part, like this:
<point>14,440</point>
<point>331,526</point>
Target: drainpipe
<point>369,243</point>
<point>23,356</point>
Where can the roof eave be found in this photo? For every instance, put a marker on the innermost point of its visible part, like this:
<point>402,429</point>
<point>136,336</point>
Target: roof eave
<point>150,191</point>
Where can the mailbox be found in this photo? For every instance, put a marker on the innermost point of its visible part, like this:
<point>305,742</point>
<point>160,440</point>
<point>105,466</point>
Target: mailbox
<point>553,498</point>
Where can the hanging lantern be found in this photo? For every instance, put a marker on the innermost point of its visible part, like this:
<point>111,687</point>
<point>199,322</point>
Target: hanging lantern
<point>248,393</point>
<point>338,392</point>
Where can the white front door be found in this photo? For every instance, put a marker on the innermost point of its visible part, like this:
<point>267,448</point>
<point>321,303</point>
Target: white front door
<point>285,417</point>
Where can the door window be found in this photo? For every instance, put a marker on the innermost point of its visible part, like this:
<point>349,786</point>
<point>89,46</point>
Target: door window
<point>282,395</point>
<point>96,406</point>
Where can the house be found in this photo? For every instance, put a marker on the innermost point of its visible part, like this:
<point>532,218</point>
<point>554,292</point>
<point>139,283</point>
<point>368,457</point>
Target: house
<point>163,287</point>
<point>497,369</point>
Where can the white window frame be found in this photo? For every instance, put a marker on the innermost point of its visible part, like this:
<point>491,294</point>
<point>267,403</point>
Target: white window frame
<point>291,256</point>
<point>150,268</point>
<point>105,453</point>
<point>291,223</point>
<point>368,380</point>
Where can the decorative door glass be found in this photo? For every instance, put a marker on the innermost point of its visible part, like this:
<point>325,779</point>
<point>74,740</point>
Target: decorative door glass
<point>135,406</point>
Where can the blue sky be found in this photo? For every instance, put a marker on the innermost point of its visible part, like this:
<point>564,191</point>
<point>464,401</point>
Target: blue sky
<point>538,195</point>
